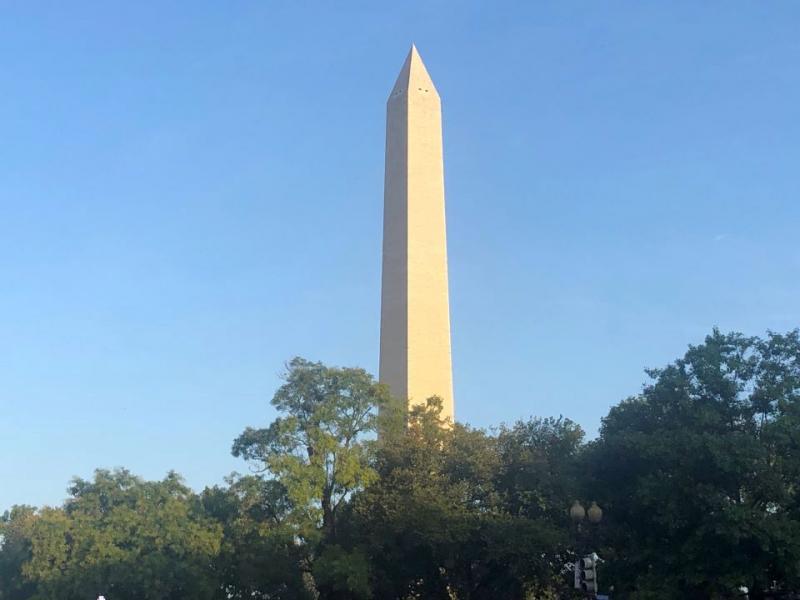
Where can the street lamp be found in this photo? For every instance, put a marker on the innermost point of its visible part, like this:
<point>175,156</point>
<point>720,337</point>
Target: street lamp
<point>595,513</point>
<point>577,513</point>
<point>585,568</point>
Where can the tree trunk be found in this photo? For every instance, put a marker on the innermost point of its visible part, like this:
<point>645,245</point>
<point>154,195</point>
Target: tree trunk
<point>328,516</point>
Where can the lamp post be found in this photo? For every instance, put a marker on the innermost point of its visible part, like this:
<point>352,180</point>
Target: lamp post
<point>578,513</point>
<point>595,513</point>
<point>585,569</point>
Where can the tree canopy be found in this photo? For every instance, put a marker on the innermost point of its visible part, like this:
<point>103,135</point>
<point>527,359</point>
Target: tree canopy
<point>116,535</point>
<point>353,498</point>
<point>699,473</point>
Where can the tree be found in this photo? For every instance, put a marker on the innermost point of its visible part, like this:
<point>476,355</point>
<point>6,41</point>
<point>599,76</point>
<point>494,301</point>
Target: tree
<point>698,474</point>
<point>541,473</point>
<point>126,538</point>
<point>319,448</point>
<point>15,550</point>
<point>260,557</point>
<point>437,524</point>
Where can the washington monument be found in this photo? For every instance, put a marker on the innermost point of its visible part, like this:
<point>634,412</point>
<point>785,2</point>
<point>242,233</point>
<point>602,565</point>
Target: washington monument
<point>415,314</point>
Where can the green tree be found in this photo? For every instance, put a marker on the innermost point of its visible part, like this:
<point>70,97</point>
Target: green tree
<point>541,473</point>
<point>261,557</point>
<point>126,538</point>
<point>15,551</point>
<point>437,524</point>
<point>541,468</point>
<point>319,451</point>
<point>698,474</point>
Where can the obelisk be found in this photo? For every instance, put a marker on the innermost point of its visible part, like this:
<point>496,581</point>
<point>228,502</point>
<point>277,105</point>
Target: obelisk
<point>415,315</point>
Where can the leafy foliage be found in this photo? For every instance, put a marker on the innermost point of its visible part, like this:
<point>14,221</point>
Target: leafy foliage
<point>317,450</point>
<point>698,474</point>
<point>15,551</point>
<point>439,521</point>
<point>123,537</point>
<point>260,557</point>
<point>354,498</point>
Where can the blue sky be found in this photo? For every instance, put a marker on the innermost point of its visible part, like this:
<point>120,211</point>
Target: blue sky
<point>191,194</point>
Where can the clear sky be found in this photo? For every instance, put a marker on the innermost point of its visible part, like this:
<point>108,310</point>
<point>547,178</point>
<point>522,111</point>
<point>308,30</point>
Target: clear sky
<point>191,194</point>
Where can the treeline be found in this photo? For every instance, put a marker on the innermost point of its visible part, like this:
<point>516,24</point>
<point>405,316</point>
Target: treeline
<point>698,478</point>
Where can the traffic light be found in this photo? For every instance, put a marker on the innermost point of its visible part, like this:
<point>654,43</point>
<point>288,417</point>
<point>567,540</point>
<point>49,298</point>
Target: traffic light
<point>586,574</point>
